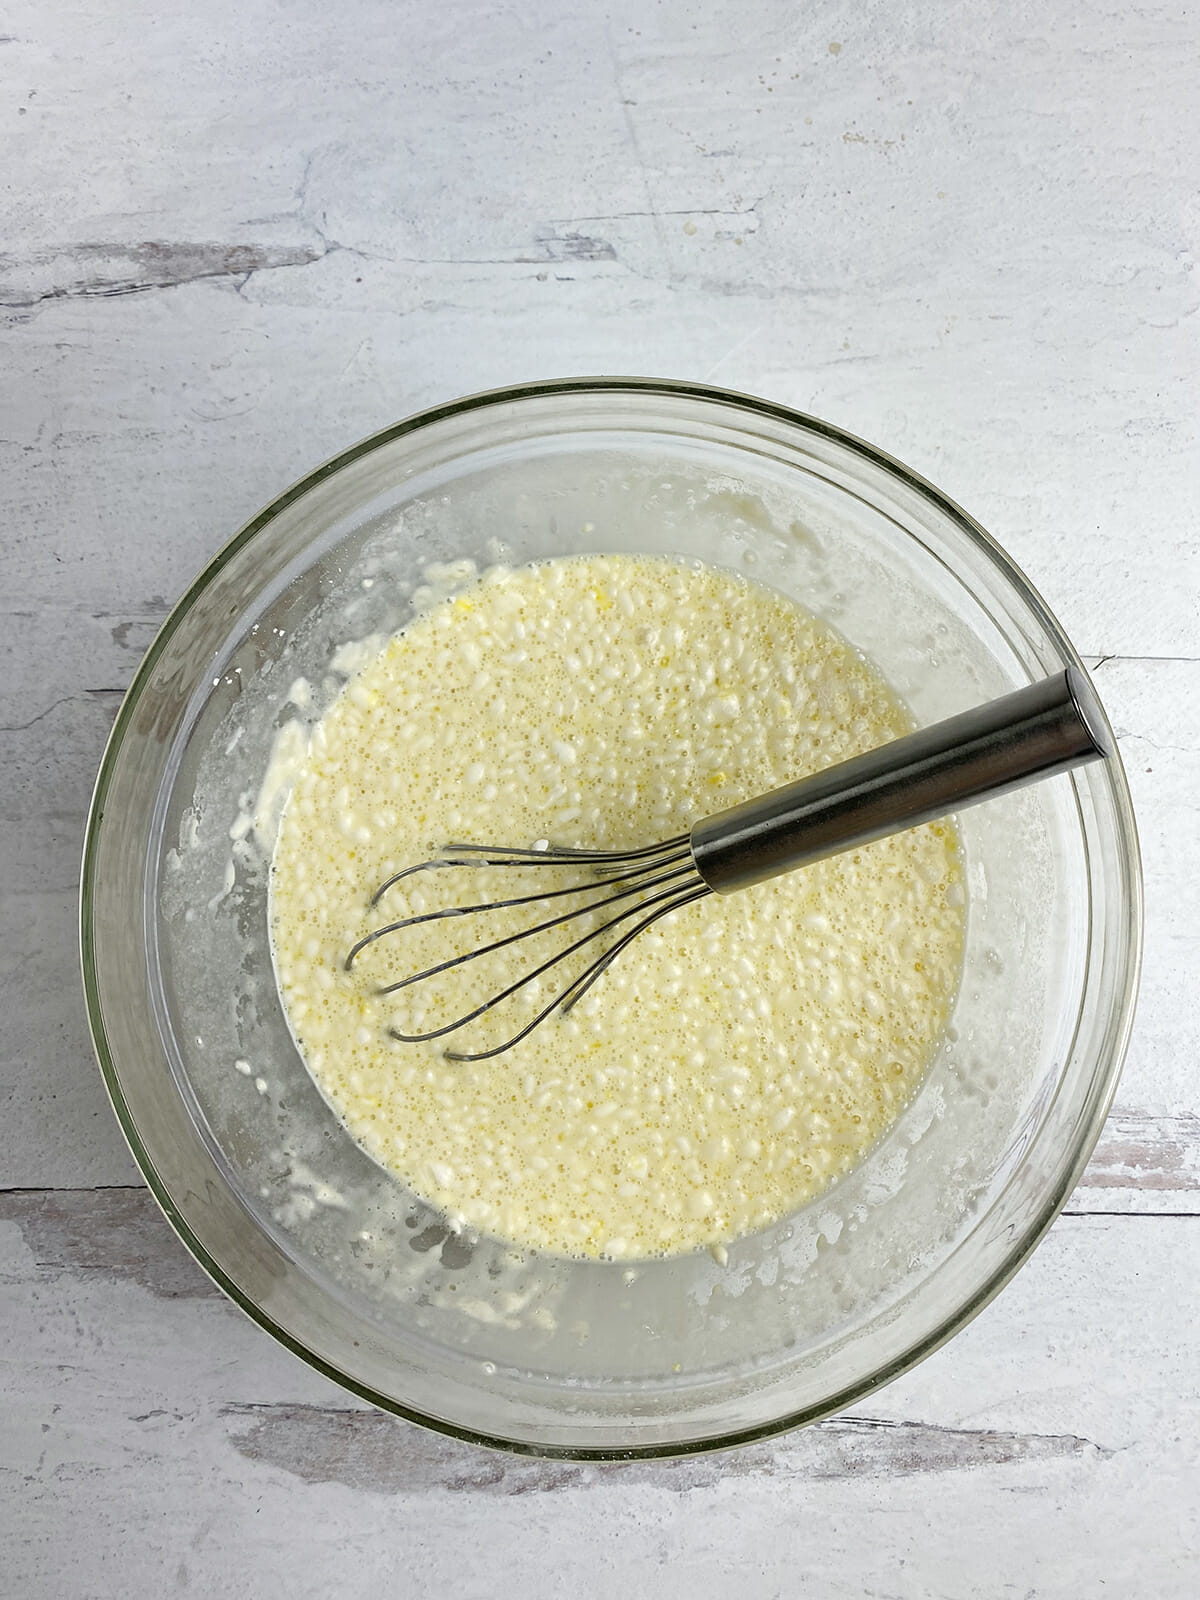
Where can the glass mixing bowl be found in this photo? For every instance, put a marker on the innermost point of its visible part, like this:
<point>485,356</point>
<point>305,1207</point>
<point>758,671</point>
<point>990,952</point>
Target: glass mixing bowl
<point>329,1252</point>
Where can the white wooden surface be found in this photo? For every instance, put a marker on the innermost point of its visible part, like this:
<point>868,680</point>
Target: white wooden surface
<point>236,237</point>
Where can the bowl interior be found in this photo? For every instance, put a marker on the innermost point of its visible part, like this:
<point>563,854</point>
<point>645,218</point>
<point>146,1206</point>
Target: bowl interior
<point>332,1252</point>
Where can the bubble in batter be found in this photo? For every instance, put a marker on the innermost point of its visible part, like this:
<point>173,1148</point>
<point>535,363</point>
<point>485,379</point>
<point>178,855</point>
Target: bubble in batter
<point>740,1055</point>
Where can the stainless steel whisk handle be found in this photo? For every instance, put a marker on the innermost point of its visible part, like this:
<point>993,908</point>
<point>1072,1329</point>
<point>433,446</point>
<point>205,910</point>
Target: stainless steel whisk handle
<point>1033,733</point>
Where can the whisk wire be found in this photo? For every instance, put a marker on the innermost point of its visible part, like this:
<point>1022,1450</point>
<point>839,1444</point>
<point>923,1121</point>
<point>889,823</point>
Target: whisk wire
<point>605,884</point>
<point>487,855</point>
<point>663,903</point>
<point>640,887</point>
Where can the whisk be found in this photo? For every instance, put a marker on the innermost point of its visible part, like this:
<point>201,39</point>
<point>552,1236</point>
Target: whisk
<point>1038,731</point>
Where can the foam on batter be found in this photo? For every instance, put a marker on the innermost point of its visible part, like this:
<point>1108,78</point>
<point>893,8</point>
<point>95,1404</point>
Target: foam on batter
<point>745,1051</point>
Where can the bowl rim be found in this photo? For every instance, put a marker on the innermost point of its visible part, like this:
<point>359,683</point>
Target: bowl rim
<point>1123,1012</point>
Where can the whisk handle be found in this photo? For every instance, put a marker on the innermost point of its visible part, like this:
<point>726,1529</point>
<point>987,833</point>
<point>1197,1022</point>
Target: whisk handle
<point>1033,733</point>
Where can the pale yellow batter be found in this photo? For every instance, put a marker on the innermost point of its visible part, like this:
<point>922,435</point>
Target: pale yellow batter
<point>742,1053</point>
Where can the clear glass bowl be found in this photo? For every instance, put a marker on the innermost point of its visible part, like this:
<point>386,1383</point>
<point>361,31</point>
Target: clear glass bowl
<point>329,1252</point>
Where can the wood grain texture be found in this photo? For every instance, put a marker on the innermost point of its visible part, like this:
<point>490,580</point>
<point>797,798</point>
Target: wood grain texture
<point>238,237</point>
<point>366,1450</point>
<point>1145,1163</point>
<point>117,1232</point>
<point>87,270</point>
<point>151,1418</point>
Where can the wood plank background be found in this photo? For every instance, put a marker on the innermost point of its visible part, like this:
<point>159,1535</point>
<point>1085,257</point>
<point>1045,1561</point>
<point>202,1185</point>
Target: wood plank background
<point>235,238</point>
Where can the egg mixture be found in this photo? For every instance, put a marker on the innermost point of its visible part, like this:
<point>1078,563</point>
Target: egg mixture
<point>742,1053</point>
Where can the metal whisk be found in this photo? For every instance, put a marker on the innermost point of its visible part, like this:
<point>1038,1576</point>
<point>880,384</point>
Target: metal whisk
<point>1033,733</point>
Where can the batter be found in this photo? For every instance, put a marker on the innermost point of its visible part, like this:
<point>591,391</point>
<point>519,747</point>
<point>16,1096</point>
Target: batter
<point>741,1054</point>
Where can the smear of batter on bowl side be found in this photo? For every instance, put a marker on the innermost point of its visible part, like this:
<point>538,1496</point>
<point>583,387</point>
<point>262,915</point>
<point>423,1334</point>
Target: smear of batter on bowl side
<point>737,1057</point>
